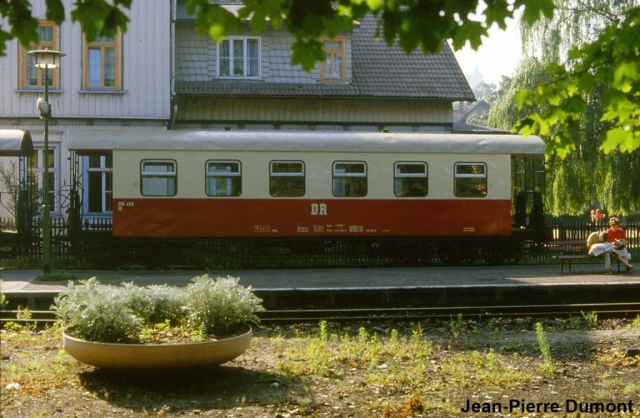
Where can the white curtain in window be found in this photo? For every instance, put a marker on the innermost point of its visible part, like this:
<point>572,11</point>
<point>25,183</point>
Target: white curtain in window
<point>238,57</point>
<point>109,67</point>
<point>224,59</point>
<point>95,67</point>
<point>253,57</point>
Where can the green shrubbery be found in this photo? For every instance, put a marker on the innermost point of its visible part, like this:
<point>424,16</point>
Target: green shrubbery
<point>121,314</point>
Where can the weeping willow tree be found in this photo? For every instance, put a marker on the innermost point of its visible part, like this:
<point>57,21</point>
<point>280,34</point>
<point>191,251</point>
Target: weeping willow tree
<point>581,170</point>
<point>566,178</point>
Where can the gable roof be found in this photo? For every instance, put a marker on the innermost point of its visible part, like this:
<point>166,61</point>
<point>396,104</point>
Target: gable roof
<point>378,71</point>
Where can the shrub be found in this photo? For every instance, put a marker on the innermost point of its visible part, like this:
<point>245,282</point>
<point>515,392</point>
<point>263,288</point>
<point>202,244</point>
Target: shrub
<point>220,307</point>
<point>96,313</point>
<point>119,314</point>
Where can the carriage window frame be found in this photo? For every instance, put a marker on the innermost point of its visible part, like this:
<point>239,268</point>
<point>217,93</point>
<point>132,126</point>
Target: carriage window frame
<point>233,179</point>
<point>467,184</point>
<point>349,183</point>
<point>295,180</point>
<point>169,175</point>
<point>417,184</point>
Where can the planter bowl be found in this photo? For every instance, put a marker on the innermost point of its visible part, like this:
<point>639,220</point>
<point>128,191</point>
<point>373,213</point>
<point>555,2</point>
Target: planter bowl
<point>132,357</point>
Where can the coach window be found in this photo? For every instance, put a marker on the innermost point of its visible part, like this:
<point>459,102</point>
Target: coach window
<point>470,180</point>
<point>158,178</point>
<point>223,178</point>
<point>410,179</point>
<point>286,178</point>
<point>349,179</point>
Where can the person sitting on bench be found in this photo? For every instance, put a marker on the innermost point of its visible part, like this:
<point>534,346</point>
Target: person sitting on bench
<point>618,238</point>
<point>598,245</point>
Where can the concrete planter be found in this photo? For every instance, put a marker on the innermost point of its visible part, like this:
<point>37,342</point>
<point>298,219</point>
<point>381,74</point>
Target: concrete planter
<point>131,357</point>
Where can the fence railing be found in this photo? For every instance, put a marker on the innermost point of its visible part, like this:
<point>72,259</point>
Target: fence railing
<point>29,248</point>
<point>570,228</point>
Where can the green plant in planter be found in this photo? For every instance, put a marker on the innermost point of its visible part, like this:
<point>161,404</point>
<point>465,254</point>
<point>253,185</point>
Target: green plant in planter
<point>204,309</point>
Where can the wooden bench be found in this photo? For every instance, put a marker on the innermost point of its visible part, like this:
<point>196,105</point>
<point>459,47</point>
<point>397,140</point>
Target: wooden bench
<point>572,250</point>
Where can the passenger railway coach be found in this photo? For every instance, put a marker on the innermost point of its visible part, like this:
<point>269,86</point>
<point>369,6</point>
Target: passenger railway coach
<point>367,191</point>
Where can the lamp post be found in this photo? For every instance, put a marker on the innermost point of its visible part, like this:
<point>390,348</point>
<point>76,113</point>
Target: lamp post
<point>46,59</point>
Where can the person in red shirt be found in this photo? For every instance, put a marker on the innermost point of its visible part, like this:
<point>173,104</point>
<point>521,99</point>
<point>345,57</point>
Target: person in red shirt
<point>618,238</point>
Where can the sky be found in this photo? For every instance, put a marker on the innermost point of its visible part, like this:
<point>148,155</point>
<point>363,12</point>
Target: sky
<point>498,55</point>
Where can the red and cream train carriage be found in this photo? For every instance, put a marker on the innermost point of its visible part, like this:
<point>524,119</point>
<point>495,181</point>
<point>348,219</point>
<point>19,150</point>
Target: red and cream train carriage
<point>385,190</point>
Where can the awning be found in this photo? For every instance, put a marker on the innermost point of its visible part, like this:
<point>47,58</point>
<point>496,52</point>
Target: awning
<point>15,143</point>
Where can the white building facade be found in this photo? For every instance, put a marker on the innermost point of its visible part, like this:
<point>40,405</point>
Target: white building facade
<point>118,83</point>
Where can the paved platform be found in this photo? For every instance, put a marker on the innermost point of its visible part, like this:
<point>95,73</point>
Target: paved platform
<point>374,287</point>
<point>24,280</point>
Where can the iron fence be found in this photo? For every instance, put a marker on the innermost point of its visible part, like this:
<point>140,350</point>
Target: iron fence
<point>28,247</point>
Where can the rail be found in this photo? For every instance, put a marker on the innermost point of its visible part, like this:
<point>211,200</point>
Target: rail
<point>608,310</point>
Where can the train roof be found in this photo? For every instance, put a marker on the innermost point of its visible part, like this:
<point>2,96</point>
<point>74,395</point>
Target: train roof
<point>14,142</point>
<point>91,141</point>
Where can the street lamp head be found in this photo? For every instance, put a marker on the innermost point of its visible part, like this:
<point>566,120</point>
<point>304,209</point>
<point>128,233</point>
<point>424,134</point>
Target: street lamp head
<point>46,58</point>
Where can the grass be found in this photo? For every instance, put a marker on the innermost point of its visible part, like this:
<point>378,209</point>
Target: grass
<point>361,370</point>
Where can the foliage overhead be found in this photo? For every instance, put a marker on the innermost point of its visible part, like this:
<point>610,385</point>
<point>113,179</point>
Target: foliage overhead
<point>571,174</point>
<point>610,61</point>
<point>412,24</point>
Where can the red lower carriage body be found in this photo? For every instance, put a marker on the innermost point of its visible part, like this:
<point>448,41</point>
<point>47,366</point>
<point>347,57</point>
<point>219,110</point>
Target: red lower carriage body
<point>276,218</point>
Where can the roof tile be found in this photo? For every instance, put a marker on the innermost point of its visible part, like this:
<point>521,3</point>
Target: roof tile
<point>378,70</point>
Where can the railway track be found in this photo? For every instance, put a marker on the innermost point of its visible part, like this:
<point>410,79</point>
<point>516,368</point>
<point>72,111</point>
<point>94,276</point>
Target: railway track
<point>603,310</point>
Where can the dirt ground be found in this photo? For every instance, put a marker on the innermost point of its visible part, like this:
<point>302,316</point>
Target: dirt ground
<point>495,368</point>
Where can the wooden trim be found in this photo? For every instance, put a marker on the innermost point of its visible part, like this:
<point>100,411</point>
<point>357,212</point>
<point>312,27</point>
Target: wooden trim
<point>117,43</point>
<point>343,64</point>
<point>22,59</point>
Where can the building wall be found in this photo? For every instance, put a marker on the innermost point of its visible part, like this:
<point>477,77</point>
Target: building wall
<point>315,111</point>
<point>145,71</point>
<point>143,102</point>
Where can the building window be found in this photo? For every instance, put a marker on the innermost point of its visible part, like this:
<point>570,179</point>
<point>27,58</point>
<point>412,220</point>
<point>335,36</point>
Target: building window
<point>99,190</point>
<point>239,57</point>
<point>333,67</point>
<point>349,179</point>
<point>286,179</point>
<point>36,164</point>
<point>470,180</point>
<point>223,178</point>
<point>30,76</point>
<point>410,179</point>
<point>158,178</point>
<point>102,66</point>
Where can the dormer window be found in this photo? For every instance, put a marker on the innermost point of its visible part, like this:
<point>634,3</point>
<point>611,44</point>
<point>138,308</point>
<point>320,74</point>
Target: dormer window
<point>239,57</point>
<point>334,67</point>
